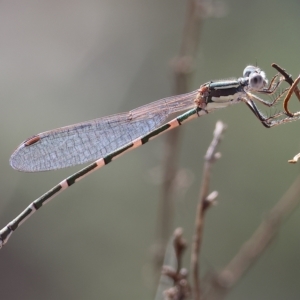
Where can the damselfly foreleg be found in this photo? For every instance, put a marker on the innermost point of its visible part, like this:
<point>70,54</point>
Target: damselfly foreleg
<point>267,103</point>
<point>260,116</point>
<point>274,84</point>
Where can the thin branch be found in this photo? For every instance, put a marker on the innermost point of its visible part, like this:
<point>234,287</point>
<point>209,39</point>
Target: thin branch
<point>205,201</point>
<point>173,283</point>
<point>220,284</point>
<point>288,78</point>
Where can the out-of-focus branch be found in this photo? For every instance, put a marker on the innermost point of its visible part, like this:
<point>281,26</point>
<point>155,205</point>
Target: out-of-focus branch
<point>180,289</point>
<point>205,201</point>
<point>182,67</point>
<point>221,283</point>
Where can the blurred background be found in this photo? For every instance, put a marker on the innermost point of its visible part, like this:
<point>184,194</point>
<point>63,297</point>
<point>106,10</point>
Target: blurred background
<point>64,62</point>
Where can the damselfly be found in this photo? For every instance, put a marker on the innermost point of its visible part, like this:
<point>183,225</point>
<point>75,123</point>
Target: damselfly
<point>106,138</point>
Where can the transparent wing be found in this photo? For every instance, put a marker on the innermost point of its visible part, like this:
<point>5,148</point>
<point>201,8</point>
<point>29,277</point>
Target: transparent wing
<point>88,141</point>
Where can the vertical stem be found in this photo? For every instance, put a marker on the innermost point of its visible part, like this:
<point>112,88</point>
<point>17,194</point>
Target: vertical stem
<point>182,74</point>
<point>220,284</point>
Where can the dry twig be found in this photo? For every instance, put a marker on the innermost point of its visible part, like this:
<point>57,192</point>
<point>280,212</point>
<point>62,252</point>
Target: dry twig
<point>205,201</point>
<point>288,78</point>
<point>181,288</point>
<point>182,67</point>
<point>220,284</point>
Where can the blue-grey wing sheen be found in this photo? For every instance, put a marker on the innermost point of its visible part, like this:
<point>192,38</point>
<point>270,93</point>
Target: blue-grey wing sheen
<point>88,141</point>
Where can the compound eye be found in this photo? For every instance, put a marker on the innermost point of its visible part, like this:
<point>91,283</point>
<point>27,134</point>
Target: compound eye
<point>248,70</point>
<point>256,81</point>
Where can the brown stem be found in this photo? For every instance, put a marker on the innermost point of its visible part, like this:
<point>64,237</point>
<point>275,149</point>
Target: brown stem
<point>204,202</point>
<point>182,73</point>
<point>220,284</point>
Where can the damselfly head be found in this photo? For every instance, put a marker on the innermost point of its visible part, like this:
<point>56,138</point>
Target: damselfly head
<point>257,77</point>
<point>257,81</point>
